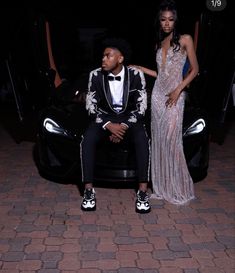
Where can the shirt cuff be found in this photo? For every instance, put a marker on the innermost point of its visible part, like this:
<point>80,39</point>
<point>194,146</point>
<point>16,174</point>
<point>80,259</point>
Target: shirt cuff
<point>104,126</point>
<point>125,124</point>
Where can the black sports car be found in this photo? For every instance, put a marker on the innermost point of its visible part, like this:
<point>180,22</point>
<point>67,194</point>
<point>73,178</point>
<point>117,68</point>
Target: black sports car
<point>62,123</point>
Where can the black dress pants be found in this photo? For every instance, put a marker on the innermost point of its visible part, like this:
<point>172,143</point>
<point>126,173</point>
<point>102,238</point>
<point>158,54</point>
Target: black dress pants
<point>96,133</point>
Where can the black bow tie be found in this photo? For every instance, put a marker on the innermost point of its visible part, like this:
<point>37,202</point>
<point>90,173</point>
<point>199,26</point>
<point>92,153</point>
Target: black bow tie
<point>111,78</point>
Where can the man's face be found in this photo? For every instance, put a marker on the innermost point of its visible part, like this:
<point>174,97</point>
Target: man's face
<point>112,60</point>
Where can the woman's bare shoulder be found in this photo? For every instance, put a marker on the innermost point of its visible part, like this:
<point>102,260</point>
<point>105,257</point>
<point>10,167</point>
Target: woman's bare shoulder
<point>185,39</point>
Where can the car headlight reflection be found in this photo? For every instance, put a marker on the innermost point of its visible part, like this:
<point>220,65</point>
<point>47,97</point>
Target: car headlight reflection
<point>196,127</point>
<point>52,127</point>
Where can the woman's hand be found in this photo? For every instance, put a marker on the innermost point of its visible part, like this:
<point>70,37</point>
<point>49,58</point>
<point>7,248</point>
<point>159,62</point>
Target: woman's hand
<point>173,97</point>
<point>145,70</point>
<point>136,66</point>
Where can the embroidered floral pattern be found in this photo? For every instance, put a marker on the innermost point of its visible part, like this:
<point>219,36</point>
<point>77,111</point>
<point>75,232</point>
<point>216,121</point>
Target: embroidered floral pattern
<point>98,120</point>
<point>91,102</point>
<point>143,102</point>
<point>132,119</point>
<point>142,106</point>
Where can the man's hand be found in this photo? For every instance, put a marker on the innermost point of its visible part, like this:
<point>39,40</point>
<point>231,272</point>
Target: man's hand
<point>114,139</point>
<point>117,130</point>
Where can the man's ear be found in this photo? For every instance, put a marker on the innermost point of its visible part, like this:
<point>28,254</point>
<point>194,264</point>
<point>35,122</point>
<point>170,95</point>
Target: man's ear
<point>121,59</point>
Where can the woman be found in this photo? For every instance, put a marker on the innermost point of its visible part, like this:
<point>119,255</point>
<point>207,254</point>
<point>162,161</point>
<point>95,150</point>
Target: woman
<point>170,177</point>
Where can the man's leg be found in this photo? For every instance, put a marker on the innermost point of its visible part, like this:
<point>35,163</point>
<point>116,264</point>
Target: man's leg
<point>142,149</point>
<point>88,150</point>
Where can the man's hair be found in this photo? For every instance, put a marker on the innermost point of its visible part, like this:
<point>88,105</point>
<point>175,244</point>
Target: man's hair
<point>122,45</point>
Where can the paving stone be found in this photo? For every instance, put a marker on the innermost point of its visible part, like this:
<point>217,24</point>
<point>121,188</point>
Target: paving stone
<point>130,270</point>
<point>191,270</point>
<point>89,255</point>
<point>48,270</point>
<point>56,230</point>
<point>13,256</point>
<point>51,256</point>
<point>164,254</point>
<point>50,264</point>
<point>32,256</point>
<point>228,241</point>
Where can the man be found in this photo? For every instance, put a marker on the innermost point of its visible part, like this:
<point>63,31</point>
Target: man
<point>116,102</point>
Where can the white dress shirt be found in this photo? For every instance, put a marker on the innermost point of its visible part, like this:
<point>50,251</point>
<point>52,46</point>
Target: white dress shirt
<point>116,89</point>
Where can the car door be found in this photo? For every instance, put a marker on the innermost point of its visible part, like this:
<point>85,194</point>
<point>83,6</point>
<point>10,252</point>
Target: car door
<point>29,71</point>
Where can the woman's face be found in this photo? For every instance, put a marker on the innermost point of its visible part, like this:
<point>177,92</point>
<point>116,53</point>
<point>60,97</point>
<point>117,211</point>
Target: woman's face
<point>167,21</point>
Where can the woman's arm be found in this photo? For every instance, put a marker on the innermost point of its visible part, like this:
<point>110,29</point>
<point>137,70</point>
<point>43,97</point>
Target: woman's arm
<point>187,43</point>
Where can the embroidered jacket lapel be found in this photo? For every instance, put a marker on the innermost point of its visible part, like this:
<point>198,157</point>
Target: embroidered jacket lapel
<point>107,90</point>
<point>126,87</point>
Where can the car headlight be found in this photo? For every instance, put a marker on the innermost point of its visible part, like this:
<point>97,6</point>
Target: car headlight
<point>196,127</point>
<point>52,127</point>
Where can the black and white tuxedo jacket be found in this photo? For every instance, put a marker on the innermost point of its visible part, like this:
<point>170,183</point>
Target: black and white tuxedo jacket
<point>99,100</point>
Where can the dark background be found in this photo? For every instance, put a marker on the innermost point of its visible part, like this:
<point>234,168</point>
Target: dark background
<point>70,22</point>
<point>77,29</point>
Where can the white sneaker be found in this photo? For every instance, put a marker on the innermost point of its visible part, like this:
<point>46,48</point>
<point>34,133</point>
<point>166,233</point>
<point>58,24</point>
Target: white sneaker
<point>89,200</point>
<point>142,202</point>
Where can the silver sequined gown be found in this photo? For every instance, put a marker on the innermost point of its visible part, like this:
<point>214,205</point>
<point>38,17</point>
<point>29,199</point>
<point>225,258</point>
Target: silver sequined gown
<point>170,177</point>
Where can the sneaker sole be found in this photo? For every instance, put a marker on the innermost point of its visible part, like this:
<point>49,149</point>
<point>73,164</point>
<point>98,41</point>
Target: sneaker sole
<point>142,211</point>
<point>88,209</point>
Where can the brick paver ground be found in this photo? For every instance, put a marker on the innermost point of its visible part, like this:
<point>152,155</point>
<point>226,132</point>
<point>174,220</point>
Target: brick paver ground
<point>43,230</point>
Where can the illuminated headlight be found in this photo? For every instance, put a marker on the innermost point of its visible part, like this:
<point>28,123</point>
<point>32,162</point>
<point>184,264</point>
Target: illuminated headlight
<point>52,127</point>
<point>196,127</point>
